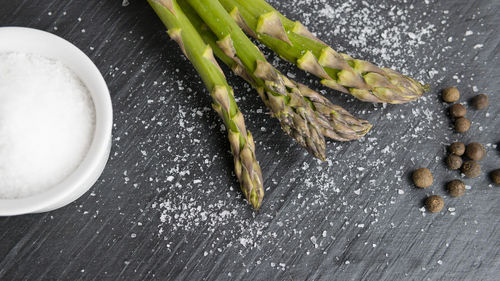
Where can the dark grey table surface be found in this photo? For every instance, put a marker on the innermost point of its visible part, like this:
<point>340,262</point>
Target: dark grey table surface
<point>168,207</point>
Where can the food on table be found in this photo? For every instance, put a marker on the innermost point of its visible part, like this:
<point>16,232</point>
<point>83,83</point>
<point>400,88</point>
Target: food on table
<point>434,203</point>
<point>422,178</point>
<point>336,123</point>
<point>471,169</point>
<point>475,151</point>
<point>450,94</point>
<point>200,54</point>
<point>204,26</point>
<point>480,101</point>
<point>456,188</point>
<point>47,121</point>
<point>457,110</point>
<point>296,117</point>
<point>457,148</point>
<point>454,162</point>
<point>462,125</point>
<point>293,42</point>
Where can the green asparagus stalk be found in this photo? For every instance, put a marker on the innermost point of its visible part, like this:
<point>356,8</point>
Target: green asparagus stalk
<point>336,123</point>
<point>287,104</point>
<point>200,54</point>
<point>292,41</point>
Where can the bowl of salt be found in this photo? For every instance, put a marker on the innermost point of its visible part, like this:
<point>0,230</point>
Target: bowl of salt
<point>55,122</point>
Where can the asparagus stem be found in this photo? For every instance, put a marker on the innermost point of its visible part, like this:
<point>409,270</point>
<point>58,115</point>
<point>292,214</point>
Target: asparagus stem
<point>292,41</point>
<point>336,123</point>
<point>200,54</point>
<point>296,117</point>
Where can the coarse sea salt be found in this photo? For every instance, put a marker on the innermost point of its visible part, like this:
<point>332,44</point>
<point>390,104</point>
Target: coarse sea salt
<point>47,121</point>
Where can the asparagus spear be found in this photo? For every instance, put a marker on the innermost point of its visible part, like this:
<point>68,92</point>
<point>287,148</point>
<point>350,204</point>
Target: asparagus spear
<point>336,123</point>
<point>292,41</point>
<point>200,54</point>
<point>286,103</point>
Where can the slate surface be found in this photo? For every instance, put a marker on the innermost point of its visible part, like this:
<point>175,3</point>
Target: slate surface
<point>168,208</point>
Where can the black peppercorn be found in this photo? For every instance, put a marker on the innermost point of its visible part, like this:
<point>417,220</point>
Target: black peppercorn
<point>422,178</point>
<point>434,203</point>
<point>480,101</point>
<point>471,169</point>
<point>475,151</point>
<point>450,94</point>
<point>495,176</point>
<point>454,162</point>
<point>456,188</point>
<point>457,148</point>
<point>462,125</point>
<point>457,110</point>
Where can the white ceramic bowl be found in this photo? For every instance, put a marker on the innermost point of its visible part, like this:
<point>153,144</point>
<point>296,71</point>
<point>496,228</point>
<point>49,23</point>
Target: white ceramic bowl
<point>30,40</point>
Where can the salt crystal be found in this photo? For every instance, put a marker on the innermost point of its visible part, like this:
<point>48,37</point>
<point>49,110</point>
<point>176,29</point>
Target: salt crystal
<point>48,121</point>
<point>314,241</point>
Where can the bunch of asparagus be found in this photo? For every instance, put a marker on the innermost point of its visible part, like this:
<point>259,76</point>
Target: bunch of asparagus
<point>204,27</point>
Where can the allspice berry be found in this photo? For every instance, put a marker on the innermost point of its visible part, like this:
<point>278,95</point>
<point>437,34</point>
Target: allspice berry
<point>456,188</point>
<point>422,178</point>
<point>434,203</point>
<point>495,176</point>
<point>450,94</point>
<point>471,169</point>
<point>475,151</point>
<point>462,125</point>
<point>480,101</point>
<point>454,162</point>
<point>457,110</point>
<point>457,148</point>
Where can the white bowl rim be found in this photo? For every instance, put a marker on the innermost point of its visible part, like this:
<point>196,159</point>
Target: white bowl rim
<point>99,145</point>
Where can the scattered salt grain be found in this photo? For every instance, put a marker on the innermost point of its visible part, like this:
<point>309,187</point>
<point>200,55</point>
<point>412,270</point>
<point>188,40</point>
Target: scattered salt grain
<point>47,119</point>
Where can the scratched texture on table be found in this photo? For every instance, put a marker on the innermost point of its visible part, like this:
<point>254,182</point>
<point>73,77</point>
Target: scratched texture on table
<point>364,228</point>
